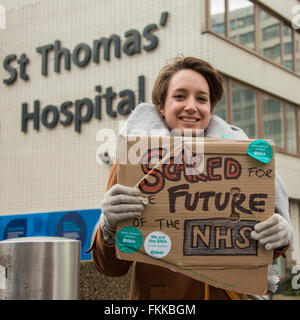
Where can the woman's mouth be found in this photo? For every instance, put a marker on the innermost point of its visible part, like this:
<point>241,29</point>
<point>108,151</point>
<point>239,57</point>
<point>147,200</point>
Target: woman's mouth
<point>189,119</point>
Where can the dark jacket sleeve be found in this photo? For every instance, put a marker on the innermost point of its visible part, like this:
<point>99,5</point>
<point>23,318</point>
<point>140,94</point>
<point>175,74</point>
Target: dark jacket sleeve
<point>103,255</point>
<point>105,259</point>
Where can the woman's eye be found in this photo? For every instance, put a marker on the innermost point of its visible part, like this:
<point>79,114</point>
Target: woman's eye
<point>202,99</point>
<point>179,96</point>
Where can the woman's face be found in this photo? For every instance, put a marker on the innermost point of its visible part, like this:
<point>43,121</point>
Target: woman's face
<point>187,104</point>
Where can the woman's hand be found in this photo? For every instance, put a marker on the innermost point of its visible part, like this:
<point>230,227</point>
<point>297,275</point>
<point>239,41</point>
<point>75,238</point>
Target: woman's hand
<point>273,233</point>
<point>119,203</point>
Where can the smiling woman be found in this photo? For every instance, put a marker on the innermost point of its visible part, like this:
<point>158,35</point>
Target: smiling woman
<point>184,96</point>
<point>187,105</point>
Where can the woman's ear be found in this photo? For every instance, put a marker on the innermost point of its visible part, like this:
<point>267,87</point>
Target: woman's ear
<point>161,110</point>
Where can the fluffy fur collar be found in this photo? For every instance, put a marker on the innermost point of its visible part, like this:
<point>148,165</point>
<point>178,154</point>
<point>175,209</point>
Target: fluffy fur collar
<point>145,119</point>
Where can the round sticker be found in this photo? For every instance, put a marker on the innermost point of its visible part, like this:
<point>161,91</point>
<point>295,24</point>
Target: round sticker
<point>260,150</point>
<point>129,239</point>
<point>157,244</point>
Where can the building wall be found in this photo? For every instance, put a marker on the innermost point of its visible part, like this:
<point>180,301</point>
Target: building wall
<point>65,174</point>
<point>288,168</point>
<point>284,10</point>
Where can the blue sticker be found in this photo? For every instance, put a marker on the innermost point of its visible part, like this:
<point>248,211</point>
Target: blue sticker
<point>260,150</point>
<point>129,239</point>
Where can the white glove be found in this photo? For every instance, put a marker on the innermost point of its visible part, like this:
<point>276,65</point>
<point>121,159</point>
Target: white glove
<point>273,277</point>
<point>119,203</point>
<point>273,233</point>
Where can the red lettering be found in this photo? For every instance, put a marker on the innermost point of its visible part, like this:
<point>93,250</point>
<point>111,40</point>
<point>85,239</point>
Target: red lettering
<point>232,169</point>
<point>154,181</point>
<point>191,171</point>
<point>171,170</point>
<point>211,164</point>
<point>145,186</point>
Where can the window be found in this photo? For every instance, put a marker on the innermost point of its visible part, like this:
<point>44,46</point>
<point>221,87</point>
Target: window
<point>241,28</point>
<point>288,48</point>
<point>298,130</point>
<point>272,52</point>
<point>272,31</point>
<point>250,24</point>
<point>217,12</point>
<point>270,44</point>
<point>261,115</point>
<point>273,120</point>
<point>244,109</point>
<point>247,39</point>
<point>221,108</point>
<point>290,112</point>
<point>297,43</point>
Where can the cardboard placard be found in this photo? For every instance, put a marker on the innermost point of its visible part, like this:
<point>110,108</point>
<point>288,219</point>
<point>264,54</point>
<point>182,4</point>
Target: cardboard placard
<point>205,196</point>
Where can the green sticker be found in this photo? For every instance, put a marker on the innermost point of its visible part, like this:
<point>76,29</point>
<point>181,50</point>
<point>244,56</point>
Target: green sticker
<point>129,239</point>
<point>260,150</point>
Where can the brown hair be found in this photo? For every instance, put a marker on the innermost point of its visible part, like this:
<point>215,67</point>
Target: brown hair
<point>213,78</point>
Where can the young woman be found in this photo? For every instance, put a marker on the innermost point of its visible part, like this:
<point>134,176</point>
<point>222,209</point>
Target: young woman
<point>184,96</point>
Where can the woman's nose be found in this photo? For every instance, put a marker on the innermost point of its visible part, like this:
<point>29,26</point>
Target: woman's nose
<point>191,106</point>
